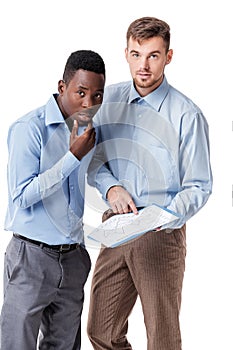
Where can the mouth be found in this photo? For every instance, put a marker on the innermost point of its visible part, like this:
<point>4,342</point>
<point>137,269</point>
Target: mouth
<point>143,75</point>
<point>84,118</point>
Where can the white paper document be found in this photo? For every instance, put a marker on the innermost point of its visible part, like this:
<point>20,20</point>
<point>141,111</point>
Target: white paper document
<point>121,228</point>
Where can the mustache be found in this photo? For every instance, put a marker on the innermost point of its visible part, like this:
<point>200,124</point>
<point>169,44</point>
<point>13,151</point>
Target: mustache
<point>87,112</point>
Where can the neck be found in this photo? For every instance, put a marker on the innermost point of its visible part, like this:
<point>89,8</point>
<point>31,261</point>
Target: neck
<point>59,102</point>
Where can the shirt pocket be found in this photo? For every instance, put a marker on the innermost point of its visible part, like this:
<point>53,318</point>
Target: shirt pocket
<point>161,167</point>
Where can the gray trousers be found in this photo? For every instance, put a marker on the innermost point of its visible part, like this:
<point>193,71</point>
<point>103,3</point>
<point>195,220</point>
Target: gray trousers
<point>152,267</point>
<point>43,290</point>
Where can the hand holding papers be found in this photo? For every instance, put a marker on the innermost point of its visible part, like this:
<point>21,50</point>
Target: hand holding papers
<point>121,228</point>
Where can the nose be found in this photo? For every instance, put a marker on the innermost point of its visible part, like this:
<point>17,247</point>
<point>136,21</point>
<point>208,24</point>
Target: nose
<point>87,102</point>
<point>144,64</point>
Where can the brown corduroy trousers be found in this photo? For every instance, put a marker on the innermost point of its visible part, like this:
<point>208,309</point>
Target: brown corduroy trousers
<point>151,266</point>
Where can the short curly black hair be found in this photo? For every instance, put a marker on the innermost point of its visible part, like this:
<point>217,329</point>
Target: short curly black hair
<point>83,59</point>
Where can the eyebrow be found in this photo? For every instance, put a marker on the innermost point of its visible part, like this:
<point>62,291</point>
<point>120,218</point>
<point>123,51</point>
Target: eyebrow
<point>82,87</point>
<point>85,88</point>
<point>150,53</point>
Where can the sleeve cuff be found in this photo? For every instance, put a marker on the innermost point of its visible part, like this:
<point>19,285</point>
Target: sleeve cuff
<point>70,163</point>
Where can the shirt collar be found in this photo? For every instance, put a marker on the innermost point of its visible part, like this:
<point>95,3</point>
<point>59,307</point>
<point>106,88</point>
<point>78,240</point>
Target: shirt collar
<point>155,98</point>
<point>53,114</point>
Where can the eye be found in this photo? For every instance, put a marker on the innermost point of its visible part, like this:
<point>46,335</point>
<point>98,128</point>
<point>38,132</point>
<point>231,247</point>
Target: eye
<point>99,96</point>
<point>81,93</point>
<point>136,55</point>
<point>154,56</point>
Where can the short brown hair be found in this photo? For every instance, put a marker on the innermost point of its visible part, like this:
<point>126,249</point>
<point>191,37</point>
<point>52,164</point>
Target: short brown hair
<point>148,27</point>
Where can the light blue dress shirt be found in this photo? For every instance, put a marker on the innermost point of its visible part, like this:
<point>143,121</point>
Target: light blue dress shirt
<point>45,180</point>
<point>156,147</point>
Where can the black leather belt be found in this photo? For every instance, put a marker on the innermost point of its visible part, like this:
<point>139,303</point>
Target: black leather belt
<point>140,208</point>
<point>62,248</point>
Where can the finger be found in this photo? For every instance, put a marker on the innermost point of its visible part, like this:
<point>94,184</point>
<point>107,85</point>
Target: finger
<point>90,137</point>
<point>123,206</point>
<point>89,125</point>
<point>93,136</point>
<point>90,132</point>
<point>114,208</point>
<point>74,130</point>
<point>120,209</point>
<point>133,207</point>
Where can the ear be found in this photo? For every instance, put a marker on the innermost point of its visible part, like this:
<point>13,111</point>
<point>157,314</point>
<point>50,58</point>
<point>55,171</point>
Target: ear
<point>61,86</point>
<point>126,54</point>
<point>169,56</point>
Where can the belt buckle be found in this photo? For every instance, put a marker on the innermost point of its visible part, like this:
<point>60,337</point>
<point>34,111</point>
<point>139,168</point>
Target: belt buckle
<point>64,248</point>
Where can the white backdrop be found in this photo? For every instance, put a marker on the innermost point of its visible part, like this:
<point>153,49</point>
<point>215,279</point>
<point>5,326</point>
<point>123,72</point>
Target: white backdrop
<point>36,39</point>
